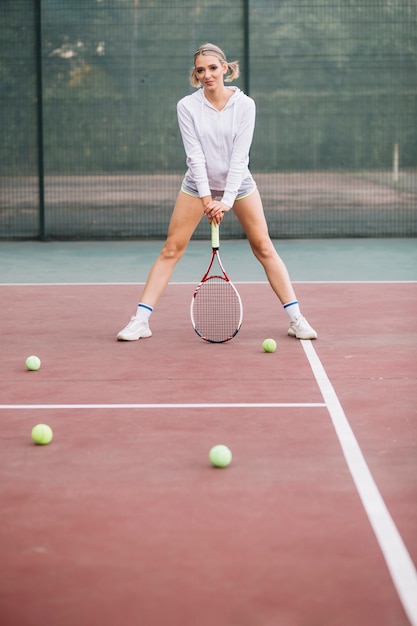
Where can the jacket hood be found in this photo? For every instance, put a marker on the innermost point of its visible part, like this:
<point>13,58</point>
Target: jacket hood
<point>237,95</point>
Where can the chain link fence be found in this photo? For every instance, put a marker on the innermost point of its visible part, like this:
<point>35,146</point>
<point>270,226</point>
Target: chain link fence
<point>90,146</point>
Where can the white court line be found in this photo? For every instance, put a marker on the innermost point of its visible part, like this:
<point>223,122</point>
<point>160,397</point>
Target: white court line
<point>397,558</point>
<point>235,282</point>
<point>211,405</point>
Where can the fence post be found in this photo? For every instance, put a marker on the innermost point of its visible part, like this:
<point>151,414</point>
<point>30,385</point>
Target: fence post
<point>395,161</point>
<point>39,118</point>
<point>246,52</point>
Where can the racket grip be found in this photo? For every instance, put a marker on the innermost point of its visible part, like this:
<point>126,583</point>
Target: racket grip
<point>215,239</point>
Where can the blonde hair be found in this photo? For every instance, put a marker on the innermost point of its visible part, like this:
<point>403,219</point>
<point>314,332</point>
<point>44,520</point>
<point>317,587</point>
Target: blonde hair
<point>210,49</point>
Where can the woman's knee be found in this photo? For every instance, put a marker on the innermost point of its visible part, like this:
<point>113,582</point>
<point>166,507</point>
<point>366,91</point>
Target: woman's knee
<point>263,248</point>
<point>172,250</point>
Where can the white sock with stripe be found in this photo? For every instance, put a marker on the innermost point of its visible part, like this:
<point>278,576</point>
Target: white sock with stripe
<point>292,309</point>
<point>143,312</point>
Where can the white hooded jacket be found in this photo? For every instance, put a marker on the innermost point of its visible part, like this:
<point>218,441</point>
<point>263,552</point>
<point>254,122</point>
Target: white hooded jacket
<point>217,143</point>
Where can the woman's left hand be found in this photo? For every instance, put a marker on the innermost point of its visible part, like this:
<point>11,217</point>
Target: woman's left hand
<point>215,211</point>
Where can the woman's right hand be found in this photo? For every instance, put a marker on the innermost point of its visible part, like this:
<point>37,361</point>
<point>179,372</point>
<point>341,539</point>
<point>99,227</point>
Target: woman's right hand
<point>215,210</point>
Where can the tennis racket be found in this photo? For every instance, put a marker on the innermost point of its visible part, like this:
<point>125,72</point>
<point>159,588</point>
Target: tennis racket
<point>216,307</point>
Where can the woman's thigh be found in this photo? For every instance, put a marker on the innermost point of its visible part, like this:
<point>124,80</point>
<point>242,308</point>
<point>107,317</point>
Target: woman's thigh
<point>185,218</point>
<point>251,216</point>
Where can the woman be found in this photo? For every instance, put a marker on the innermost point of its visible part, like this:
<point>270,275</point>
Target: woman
<point>216,124</point>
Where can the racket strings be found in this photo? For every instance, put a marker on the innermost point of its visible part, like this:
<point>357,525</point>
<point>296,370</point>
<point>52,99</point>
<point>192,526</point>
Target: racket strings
<point>217,310</point>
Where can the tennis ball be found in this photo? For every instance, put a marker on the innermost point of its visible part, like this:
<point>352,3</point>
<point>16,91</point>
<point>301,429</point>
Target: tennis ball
<point>220,456</point>
<point>42,434</point>
<point>269,345</point>
<point>33,363</point>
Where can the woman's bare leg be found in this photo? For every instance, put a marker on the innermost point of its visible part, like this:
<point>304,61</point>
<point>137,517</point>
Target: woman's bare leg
<point>250,214</point>
<point>185,218</point>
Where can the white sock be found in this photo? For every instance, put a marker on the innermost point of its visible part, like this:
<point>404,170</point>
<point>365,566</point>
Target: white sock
<point>143,312</point>
<point>293,309</point>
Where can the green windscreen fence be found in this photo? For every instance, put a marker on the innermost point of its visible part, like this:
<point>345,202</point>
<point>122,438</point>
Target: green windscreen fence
<point>90,146</point>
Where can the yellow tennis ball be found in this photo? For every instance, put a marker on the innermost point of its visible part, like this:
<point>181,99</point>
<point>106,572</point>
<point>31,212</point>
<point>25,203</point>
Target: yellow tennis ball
<point>269,345</point>
<point>42,434</point>
<point>220,456</point>
<point>33,363</point>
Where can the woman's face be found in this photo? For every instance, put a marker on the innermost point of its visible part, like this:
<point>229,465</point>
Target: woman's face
<point>209,71</point>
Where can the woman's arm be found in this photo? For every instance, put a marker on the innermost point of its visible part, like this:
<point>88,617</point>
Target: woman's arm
<point>196,160</point>
<point>240,153</point>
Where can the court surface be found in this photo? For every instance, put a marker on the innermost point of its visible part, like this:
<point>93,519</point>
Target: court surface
<point>122,520</point>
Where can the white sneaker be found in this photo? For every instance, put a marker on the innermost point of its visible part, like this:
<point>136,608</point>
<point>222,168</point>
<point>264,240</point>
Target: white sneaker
<point>301,329</point>
<point>134,330</point>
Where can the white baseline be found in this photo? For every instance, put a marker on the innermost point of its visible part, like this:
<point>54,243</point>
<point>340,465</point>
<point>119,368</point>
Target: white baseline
<point>211,405</point>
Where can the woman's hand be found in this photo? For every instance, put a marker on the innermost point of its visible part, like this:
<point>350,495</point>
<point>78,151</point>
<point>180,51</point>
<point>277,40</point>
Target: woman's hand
<point>215,210</point>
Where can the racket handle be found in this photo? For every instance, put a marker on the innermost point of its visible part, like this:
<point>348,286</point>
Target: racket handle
<point>215,238</point>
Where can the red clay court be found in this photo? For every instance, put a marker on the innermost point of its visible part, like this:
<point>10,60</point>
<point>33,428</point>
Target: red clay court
<point>122,520</point>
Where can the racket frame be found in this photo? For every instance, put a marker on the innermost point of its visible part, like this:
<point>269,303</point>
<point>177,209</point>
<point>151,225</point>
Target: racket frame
<point>215,254</point>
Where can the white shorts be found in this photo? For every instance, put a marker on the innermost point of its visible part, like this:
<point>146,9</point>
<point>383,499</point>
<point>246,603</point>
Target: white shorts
<point>247,187</point>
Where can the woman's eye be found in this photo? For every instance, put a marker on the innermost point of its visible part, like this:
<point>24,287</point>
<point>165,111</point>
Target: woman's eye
<point>212,68</point>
